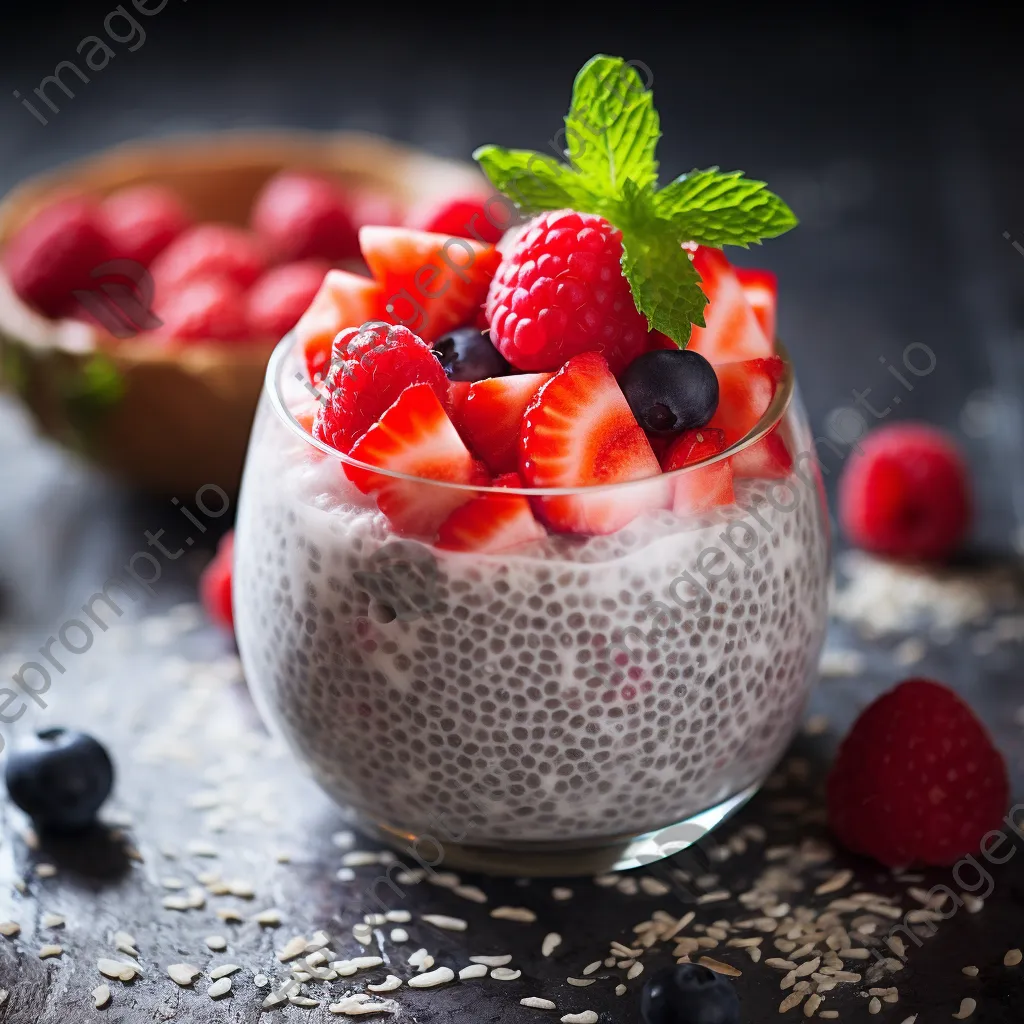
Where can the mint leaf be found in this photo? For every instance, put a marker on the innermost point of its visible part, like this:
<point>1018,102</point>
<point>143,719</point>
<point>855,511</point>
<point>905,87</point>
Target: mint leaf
<point>612,128</point>
<point>664,281</point>
<point>718,208</point>
<point>535,182</point>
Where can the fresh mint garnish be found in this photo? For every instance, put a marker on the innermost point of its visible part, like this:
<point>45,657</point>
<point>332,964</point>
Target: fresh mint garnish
<point>611,134</point>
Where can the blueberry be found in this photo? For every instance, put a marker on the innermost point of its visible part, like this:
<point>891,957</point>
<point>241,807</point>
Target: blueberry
<point>60,779</point>
<point>467,354</point>
<point>670,391</point>
<point>689,994</point>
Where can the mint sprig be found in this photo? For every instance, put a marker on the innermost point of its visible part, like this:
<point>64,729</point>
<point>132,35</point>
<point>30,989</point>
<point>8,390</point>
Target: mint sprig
<point>611,135</point>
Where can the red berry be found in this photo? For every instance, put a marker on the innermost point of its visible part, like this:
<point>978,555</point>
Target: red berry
<point>491,522</point>
<point>305,216</point>
<point>761,287</point>
<point>414,436</point>
<point>745,391</point>
<point>917,780</point>
<point>209,250</point>
<point>579,432</point>
<point>375,207</point>
<point>55,253</point>
<point>699,490</point>
<point>465,218</point>
<point>212,309</point>
<point>278,299</point>
<point>560,292</point>
<point>215,583</point>
<point>142,221</point>
<point>370,368</point>
<point>907,495</point>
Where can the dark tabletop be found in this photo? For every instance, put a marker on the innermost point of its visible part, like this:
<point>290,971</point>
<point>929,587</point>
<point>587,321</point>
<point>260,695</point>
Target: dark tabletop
<point>897,140</point>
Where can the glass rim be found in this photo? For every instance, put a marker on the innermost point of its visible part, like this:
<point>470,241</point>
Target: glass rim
<point>771,419</point>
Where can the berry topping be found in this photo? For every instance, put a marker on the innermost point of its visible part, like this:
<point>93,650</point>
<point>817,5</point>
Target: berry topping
<point>277,300</point>
<point>705,488</point>
<point>769,458</point>
<point>745,390</point>
<point>466,218</point>
<point>370,368</point>
<point>689,994</point>
<point>560,292</point>
<point>55,253</point>
<point>578,432</point>
<point>205,310</point>
<point>60,779</point>
<point>209,250</point>
<point>491,416</point>
<point>467,354</point>
<point>414,436</point>
<point>142,221</point>
<point>215,583</point>
<point>670,391</point>
<point>491,522</point>
<point>304,216</point>
<point>432,283</point>
<point>761,288</point>
<point>344,300</point>
<point>917,780</point>
<point>907,495</point>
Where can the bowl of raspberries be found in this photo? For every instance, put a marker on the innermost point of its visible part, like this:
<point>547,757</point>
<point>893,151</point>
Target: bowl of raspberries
<point>142,290</point>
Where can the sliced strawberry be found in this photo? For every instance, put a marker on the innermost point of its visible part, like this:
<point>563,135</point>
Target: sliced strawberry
<point>491,522</point>
<point>703,489</point>
<point>414,436</point>
<point>745,390</point>
<point>579,432</point>
<point>344,300</point>
<point>458,391</point>
<point>761,288</point>
<point>768,458</point>
<point>431,282</point>
<point>732,331</point>
<point>481,475</point>
<point>491,417</point>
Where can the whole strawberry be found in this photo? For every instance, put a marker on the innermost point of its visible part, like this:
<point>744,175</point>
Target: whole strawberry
<point>143,220</point>
<point>917,780</point>
<point>560,292</point>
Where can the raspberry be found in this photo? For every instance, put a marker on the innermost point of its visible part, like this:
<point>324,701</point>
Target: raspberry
<point>302,216</point>
<point>277,300</point>
<point>560,292</point>
<point>143,221</point>
<point>55,253</point>
<point>370,367</point>
<point>917,780</point>
<point>907,495</point>
<point>212,309</point>
<point>209,250</point>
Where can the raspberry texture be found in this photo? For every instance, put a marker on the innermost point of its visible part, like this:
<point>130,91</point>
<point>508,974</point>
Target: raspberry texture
<point>370,367</point>
<point>907,495</point>
<point>917,780</point>
<point>560,292</point>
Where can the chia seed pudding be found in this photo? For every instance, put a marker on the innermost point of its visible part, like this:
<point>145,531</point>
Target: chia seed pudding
<point>568,691</point>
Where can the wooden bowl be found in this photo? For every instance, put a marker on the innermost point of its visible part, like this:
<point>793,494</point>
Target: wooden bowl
<point>169,420</point>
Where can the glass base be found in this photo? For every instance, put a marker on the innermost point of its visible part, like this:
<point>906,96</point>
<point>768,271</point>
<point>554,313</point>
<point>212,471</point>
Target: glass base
<point>561,860</point>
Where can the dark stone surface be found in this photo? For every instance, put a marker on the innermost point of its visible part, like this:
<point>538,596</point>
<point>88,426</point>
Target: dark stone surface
<point>897,141</point>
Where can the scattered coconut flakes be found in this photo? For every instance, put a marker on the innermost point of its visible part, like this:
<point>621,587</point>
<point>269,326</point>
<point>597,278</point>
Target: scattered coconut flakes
<point>471,893</point>
<point>445,923</point>
<point>536,1003</point>
<point>292,949</point>
<point>388,985</point>
<point>505,974</point>
<point>216,942</point>
<point>832,1014</point>
<point>269,918</point>
<point>590,968</point>
<point>1013,958</point>
<point>561,893</point>
<point>183,974</point>
<point>100,996</point>
<point>580,982</point>
<point>812,1004</point>
<point>654,886</point>
<point>606,881</point>
<point>874,1005</point>
<point>219,988</point>
<point>399,935</point>
<point>586,1017</point>
<point>305,1001</point>
<point>318,941</point>
<point>909,1020</point>
<point>345,875</point>
<point>840,880</point>
<point>261,981</point>
<point>360,859</point>
<point>344,840</point>
<point>229,914</point>
<point>909,651</point>
<point>398,916</point>
<point>473,971</point>
<point>359,1005</point>
<point>223,971</point>
<point>375,920</point>
<point>972,904</point>
<point>10,929</point>
<point>719,968</point>
<point>491,961</point>
<point>715,897</point>
<point>431,979</point>
<point>551,942</point>
<point>636,970</point>
<point>816,725</point>
<point>836,664</point>
<point>792,1000</point>
<point>125,943</point>
<point>201,848</point>
<point>422,960</point>
<point>117,969</point>
<point>520,914</point>
<point>52,921</point>
<point>971,972</point>
<point>45,870</point>
<point>363,934</point>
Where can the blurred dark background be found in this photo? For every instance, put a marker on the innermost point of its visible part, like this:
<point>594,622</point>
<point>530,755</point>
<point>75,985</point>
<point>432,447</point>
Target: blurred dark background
<point>895,135</point>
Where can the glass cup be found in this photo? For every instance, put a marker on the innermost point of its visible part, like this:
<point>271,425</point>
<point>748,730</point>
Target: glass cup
<point>569,705</point>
